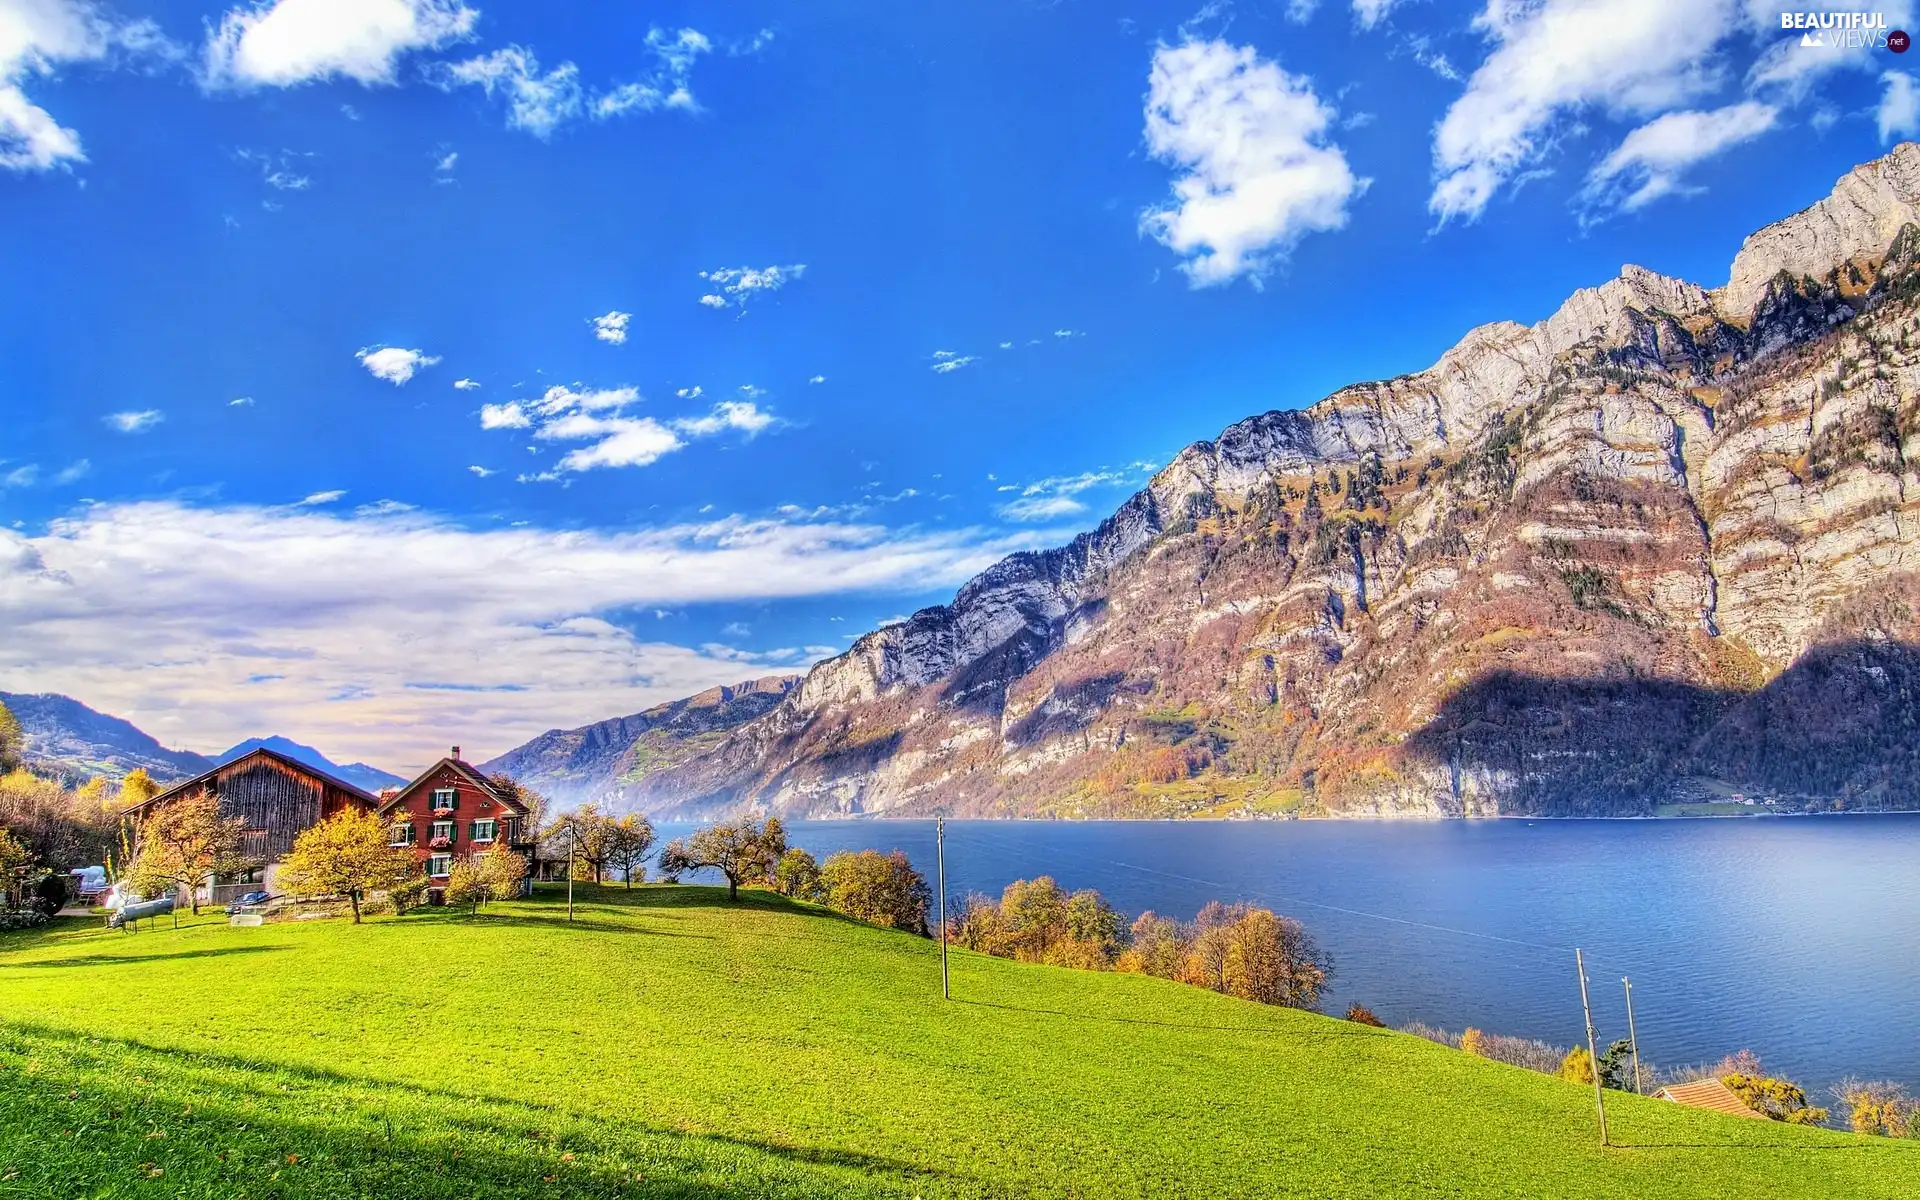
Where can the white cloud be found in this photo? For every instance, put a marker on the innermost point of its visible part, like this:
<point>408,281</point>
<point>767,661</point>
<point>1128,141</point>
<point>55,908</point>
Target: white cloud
<point>1555,59</point>
<point>692,393</point>
<point>319,498</point>
<point>617,437</point>
<point>241,402</point>
<point>74,472</point>
<point>394,364</point>
<point>1257,170</point>
<point>617,441</point>
<point>36,38</point>
<point>25,476</point>
<point>504,416</point>
<point>445,163</point>
<point>467,639</point>
<point>1369,13</point>
<point>540,103</point>
<point>482,472</point>
<point>135,421</point>
<point>818,379</point>
<point>739,285</point>
<point>288,42</point>
<point>1068,333</point>
<point>947,361</point>
<point>742,415</point>
<point>1649,163</point>
<point>668,86</point>
<point>466,385</point>
<point>383,508</point>
<point>1041,508</point>
<point>1899,111</point>
<point>612,327</point>
<point>536,103</point>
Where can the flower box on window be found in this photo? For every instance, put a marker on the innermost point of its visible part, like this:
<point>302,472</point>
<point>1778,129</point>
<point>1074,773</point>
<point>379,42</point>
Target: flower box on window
<point>440,843</point>
<point>443,812</point>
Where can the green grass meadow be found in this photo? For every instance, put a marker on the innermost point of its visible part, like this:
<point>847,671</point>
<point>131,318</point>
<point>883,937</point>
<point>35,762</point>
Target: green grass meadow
<point>669,1044</point>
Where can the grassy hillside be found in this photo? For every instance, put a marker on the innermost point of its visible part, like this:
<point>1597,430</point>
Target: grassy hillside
<point>668,1044</point>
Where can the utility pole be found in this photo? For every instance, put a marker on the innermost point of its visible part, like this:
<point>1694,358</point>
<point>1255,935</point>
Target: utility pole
<point>1632,1037</point>
<point>1593,1048</point>
<point>571,836</point>
<point>940,857</point>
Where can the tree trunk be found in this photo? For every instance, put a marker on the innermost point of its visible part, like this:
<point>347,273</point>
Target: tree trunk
<point>733,887</point>
<point>353,898</point>
<point>193,897</point>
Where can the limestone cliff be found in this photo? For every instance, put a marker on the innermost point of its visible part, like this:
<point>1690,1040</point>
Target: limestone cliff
<point>1645,549</point>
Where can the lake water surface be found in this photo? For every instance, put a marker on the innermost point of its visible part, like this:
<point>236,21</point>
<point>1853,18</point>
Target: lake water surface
<point>1798,938</point>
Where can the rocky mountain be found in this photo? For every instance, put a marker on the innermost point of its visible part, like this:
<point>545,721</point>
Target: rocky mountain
<point>604,762</point>
<point>65,737</point>
<point>1658,545</point>
<point>368,778</point>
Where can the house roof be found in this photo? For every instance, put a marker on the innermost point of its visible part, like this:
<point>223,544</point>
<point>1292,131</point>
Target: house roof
<point>292,764</point>
<point>1709,1094</point>
<point>463,767</point>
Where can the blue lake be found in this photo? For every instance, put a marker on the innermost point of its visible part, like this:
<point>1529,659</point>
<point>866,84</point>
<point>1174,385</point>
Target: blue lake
<point>1797,938</point>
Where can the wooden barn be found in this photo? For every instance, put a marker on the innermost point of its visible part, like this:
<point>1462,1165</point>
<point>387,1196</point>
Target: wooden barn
<point>277,797</point>
<point>452,809</point>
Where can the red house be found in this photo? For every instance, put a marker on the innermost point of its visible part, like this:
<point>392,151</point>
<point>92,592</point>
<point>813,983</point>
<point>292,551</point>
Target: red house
<point>450,810</point>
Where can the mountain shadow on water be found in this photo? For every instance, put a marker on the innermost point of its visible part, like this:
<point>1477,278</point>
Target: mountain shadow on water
<point>1839,730</point>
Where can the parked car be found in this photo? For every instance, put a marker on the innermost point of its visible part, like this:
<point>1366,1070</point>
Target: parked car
<point>250,900</point>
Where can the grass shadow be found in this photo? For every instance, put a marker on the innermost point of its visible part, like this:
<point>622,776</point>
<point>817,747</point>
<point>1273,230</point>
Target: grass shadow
<point>108,960</point>
<point>1359,1031</point>
<point>356,1136</point>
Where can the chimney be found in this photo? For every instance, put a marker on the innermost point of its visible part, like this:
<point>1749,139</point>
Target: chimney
<point>456,752</point>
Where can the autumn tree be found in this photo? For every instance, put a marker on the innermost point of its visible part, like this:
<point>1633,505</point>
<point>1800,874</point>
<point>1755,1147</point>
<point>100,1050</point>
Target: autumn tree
<point>629,841</point>
<point>1255,955</point>
<point>476,879</point>
<point>742,851</point>
<point>13,741</point>
<point>1775,1099</point>
<point>345,855</point>
<point>13,858</point>
<point>186,842</point>
<point>797,874</point>
<point>882,889</point>
<point>137,788</point>
<point>52,822</point>
<point>1157,947</point>
<point>1880,1107</point>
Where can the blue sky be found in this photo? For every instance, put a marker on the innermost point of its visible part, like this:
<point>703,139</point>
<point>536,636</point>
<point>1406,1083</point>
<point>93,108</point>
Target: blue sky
<point>387,373</point>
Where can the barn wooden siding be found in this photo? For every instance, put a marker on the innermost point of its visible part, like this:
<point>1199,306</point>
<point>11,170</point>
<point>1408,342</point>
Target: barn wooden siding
<point>275,802</point>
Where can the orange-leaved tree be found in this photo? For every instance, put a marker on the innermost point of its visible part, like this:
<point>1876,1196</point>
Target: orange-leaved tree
<point>345,855</point>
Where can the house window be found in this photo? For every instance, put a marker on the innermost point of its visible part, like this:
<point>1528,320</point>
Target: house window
<point>402,835</point>
<point>443,829</point>
<point>483,831</point>
<point>446,797</point>
<point>439,865</point>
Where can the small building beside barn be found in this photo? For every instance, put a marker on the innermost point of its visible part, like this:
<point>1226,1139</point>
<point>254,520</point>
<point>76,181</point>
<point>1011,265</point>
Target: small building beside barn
<point>277,799</point>
<point>1710,1094</point>
<point>451,809</point>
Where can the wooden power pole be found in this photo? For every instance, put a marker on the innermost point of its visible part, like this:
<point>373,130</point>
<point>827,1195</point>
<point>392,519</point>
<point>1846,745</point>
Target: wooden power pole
<point>1632,1037</point>
<point>571,836</point>
<point>940,857</point>
<point>1593,1047</point>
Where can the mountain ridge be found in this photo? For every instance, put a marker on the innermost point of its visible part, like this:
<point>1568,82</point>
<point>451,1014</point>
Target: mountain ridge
<point>1656,481</point>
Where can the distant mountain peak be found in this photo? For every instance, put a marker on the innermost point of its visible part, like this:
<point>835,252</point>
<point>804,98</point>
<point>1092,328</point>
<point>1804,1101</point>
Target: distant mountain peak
<point>361,775</point>
<point>67,737</point>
